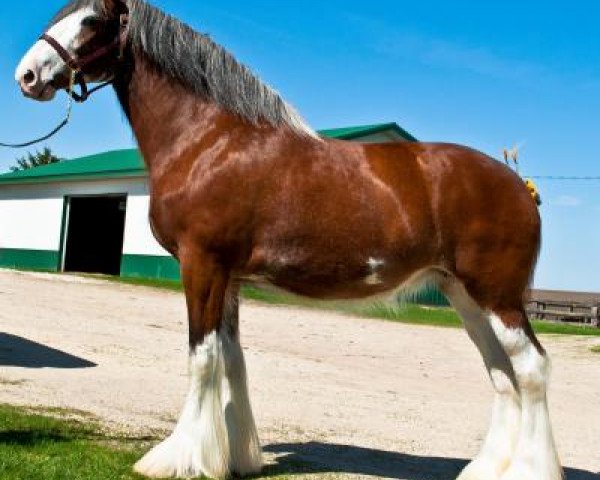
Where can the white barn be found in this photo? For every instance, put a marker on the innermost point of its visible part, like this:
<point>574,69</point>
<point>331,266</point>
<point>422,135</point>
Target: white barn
<point>91,214</point>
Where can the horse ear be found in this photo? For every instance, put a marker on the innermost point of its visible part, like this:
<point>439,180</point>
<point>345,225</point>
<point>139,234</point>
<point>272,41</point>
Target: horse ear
<point>114,7</point>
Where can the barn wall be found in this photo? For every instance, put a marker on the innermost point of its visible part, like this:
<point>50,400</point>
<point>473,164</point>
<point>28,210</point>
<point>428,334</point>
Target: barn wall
<point>30,228</point>
<point>150,266</point>
<point>142,255</point>
<point>31,222</point>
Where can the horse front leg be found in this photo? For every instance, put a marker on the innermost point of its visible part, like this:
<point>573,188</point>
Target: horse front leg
<point>244,445</point>
<point>199,445</point>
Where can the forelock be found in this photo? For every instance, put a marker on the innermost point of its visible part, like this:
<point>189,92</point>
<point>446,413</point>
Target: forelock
<point>74,6</point>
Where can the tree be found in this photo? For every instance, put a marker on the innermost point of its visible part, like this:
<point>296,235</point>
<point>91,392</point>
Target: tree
<point>45,157</point>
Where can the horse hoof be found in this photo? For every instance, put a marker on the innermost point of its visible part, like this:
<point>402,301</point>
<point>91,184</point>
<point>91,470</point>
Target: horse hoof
<point>483,469</point>
<point>250,465</point>
<point>178,457</point>
<point>246,458</point>
<point>526,471</point>
<point>169,459</point>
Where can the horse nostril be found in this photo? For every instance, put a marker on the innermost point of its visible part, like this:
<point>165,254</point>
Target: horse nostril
<point>29,77</point>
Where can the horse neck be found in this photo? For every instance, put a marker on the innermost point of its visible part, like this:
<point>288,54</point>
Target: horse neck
<point>170,122</point>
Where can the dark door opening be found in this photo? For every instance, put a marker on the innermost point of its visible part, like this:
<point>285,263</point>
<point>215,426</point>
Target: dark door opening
<point>94,235</point>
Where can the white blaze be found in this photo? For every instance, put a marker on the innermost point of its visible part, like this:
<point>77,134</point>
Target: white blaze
<point>43,59</point>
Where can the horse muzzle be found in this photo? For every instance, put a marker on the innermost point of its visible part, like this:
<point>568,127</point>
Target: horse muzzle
<point>35,80</point>
<point>41,91</point>
<point>34,86</point>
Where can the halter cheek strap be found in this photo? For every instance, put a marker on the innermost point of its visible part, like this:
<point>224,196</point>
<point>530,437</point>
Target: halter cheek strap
<point>62,52</point>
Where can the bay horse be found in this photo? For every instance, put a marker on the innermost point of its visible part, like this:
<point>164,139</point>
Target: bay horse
<point>242,188</point>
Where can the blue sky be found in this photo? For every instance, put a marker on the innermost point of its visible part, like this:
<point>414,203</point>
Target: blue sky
<point>485,74</point>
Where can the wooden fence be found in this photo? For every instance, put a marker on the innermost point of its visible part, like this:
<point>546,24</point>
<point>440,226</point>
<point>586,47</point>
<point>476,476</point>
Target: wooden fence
<point>573,312</point>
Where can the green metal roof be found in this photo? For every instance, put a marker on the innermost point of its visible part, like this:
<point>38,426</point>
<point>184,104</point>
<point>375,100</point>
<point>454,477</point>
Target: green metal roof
<point>349,133</point>
<point>129,163</point>
<point>114,164</point>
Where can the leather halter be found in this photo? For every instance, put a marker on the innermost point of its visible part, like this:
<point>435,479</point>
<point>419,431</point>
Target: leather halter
<point>78,65</point>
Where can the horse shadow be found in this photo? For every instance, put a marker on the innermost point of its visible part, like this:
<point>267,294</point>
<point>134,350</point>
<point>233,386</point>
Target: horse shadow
<point>322,458</point>
<point>29,439</point>
<point>20,352</point>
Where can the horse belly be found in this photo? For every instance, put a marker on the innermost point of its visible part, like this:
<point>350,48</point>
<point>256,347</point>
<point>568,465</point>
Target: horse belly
<point>341,271</point>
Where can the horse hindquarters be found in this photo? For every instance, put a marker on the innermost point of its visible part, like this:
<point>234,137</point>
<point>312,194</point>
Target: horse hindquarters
<point>489,231</point>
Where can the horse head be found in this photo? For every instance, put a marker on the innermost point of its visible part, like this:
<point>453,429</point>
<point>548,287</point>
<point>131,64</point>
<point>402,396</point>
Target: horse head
<point>82,44</point>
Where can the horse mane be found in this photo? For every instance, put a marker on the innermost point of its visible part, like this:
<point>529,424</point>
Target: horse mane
<point>207,68</point>
<point>200,65</point>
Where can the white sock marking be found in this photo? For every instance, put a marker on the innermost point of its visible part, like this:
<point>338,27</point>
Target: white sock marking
<point>535,455</point>
<point>199,444</point>
<point>244,445</point>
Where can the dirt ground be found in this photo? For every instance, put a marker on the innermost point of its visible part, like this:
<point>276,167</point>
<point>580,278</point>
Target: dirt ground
<point>351,396</point>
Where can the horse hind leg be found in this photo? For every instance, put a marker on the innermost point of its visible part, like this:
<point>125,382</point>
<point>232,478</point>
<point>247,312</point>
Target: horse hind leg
<point>501,440</point>
<point>535,455</point>
<point>519,444</point>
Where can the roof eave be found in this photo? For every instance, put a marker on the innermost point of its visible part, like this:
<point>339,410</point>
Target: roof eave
<point>75,177</point>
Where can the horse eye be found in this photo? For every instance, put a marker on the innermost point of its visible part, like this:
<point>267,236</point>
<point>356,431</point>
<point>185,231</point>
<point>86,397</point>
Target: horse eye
<point>90,22</point>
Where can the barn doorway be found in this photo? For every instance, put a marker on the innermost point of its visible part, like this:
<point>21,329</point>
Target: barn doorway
<point>94,231</point>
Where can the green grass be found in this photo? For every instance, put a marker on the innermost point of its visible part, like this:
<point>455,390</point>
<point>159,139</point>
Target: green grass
<point>250,292</point>
<point>565,329</point>
<point>44,446</point>
<point>413,314</point>
<point>595,349</point>
<point>60,444</point>
<point>447,317</point>
<point>174,285</point>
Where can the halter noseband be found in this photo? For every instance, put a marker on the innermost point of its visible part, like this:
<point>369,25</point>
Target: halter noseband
<point>78,65</point>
